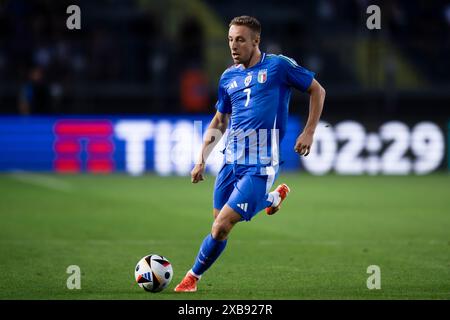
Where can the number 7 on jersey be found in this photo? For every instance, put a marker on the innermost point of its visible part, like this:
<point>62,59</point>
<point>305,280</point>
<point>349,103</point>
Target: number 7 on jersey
<point>248,91</point>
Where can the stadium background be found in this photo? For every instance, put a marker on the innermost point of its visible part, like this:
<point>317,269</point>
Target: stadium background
<point>98,124</point>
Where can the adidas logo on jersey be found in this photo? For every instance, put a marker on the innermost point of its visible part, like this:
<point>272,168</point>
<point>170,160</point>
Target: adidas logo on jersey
<point>243,206</point>
<point>233,85</point>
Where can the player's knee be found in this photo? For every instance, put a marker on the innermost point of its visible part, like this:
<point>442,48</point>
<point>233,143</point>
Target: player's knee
<point>220,230</point>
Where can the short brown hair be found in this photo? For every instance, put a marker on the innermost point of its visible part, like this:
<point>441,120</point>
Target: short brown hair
<point>247,21</point>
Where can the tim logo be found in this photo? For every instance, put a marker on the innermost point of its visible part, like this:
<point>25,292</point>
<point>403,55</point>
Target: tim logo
<point>83,145</point>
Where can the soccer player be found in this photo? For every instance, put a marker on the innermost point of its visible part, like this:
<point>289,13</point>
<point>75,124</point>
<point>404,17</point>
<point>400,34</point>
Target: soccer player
<point>254,93</point>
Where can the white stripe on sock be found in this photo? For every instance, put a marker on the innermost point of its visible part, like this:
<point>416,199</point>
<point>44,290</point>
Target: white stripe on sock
<point>276,198</point>
<point>194,274</point>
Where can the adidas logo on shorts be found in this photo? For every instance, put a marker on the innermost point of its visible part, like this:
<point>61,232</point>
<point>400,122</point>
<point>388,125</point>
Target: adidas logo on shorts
<point>243,206</point>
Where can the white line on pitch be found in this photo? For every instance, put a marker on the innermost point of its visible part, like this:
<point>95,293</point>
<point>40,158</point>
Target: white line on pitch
<point>41,180</point>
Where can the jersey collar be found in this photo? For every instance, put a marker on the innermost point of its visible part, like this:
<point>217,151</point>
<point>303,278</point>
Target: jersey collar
<point>263,57</point>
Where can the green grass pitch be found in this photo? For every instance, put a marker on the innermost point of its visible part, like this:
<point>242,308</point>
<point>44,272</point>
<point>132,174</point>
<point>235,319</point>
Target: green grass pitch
<point>318,246</point>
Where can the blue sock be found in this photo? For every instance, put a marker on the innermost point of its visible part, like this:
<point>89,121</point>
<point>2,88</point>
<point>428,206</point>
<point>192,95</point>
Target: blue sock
<point>209,251</point>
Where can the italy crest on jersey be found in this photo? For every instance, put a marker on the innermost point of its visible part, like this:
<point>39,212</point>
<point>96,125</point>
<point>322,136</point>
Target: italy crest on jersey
<point>262,75</point>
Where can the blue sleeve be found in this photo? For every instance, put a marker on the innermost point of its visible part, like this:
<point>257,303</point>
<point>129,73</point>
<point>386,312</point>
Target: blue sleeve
<point>223,104</point>
<point>294,75</point>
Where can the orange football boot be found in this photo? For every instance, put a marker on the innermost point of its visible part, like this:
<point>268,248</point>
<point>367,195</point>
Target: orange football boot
<point>283,190</point>
<point>188,284</point>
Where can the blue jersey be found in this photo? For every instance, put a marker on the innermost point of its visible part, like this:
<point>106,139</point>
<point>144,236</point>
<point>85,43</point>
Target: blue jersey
<point>258,100</point>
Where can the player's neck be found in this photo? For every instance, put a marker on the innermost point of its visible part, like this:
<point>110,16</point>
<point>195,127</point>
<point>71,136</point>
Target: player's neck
<point>255,58</point>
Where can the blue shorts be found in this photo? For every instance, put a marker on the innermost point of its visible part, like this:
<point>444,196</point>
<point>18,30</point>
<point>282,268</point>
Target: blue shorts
<point>244,188</point>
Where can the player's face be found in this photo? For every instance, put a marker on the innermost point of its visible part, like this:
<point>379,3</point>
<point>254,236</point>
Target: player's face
<point>243,42</point>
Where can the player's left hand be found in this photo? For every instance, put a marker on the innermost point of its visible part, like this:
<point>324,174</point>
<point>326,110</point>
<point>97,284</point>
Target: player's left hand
<point>303,144</point>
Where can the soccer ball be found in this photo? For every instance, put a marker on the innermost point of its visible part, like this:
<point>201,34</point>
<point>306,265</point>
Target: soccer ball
<point>153,273</point>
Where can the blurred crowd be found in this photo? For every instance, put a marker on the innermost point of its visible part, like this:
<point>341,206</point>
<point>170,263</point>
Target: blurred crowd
<point>124,60</point>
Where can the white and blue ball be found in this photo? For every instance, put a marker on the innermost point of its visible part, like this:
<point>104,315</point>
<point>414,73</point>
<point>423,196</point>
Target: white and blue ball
<point>153,273</point>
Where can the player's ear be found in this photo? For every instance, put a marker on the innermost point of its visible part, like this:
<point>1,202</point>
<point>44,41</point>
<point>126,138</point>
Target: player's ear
<point>256,40</point>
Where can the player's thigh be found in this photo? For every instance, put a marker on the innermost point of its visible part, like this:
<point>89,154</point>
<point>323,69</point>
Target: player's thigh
<point>247,195</point>
<point>215,213</point>
<point>223,187</point>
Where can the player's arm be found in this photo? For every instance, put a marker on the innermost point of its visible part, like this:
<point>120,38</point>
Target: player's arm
<point>316,100</point>
<point>214,133</point>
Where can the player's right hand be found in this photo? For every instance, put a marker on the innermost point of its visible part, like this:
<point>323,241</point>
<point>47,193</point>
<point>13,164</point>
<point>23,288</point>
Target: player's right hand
<point>197,173</point>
